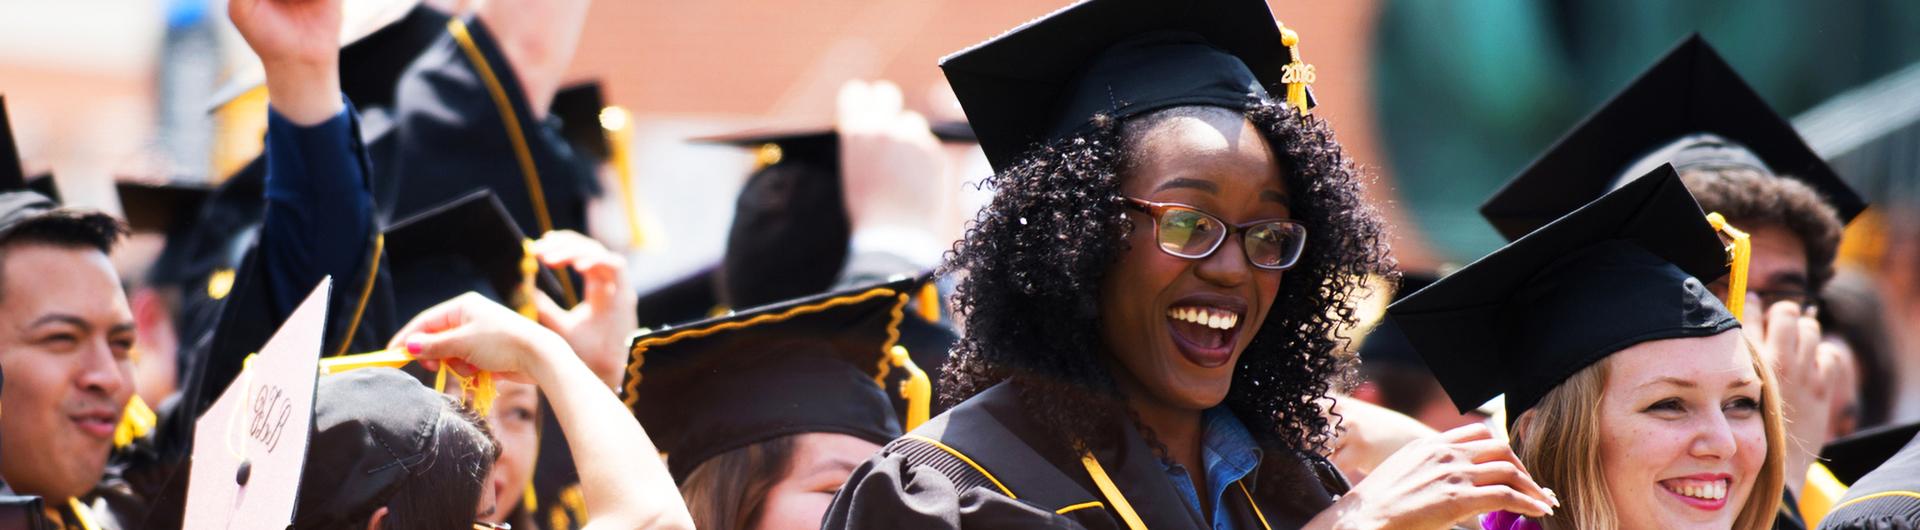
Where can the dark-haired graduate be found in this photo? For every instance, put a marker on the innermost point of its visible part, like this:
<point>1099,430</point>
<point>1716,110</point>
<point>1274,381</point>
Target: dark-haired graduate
<point>1150,297</point>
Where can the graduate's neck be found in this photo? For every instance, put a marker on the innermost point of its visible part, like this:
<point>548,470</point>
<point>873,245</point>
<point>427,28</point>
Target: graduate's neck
<point>1175,426</point>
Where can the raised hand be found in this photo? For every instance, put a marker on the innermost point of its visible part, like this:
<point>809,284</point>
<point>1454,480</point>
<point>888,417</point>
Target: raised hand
<point>1436,481</point>
<point>298,42</point>
<point>892,167</point>
<point>598,327</point>
<point>471,332</point>
<point>1790,341</point>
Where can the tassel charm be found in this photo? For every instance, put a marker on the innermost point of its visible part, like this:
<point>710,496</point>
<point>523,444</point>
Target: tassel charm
<point>1296,74</point>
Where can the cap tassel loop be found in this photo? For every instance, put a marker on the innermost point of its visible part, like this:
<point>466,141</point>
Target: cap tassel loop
<point>1296,74</point>
<point>1739,255</point>
<point>917,389</point>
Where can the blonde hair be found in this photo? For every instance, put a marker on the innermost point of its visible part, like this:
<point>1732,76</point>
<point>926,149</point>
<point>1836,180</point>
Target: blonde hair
<point>1559,442</point>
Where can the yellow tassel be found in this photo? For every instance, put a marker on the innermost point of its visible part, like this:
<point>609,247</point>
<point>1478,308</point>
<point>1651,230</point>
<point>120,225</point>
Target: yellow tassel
<point>1739,254</point>
<point>529,499</point>
<point>529,286</point>
<point>390,358</point>
<point>917,389</point>
<point>135,422</point>
<point>1296,74</point>
<point>477,391</point>
<point>618,124</point>
<point>929,307</point>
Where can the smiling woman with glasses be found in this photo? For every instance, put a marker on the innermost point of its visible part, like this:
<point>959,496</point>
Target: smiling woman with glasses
<point>1151,300</point>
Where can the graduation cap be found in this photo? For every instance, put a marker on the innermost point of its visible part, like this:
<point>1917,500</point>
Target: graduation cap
<point>818,364</point>
<point>13,173</point>
<point>1385,344</point>
<point>790,231</point>
<point>579,107</point>
<point>1048,78</point>
<point>379,39</point>
<point>467,244</point>
<point>164,208</point>
<point>251,447</point>
<point>1689,92</point>
<point>1853,456</point>
<point>1627,268</point>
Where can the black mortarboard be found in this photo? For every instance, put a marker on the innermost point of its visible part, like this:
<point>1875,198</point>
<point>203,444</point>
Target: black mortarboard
<point>373,428</point>
<point>1853,456</point>
<point>1120,58</point>
<point>816,364</point>
<point>13,173</point>
<point>1385,344</point>
<point>1690,91</point>
<point>467,244</point>
<point>790,231</point>
<point>383,41</point>
<point>1625,269</point>
<point>164,208</point>
<point>578,107</point>
<point>690,298</point>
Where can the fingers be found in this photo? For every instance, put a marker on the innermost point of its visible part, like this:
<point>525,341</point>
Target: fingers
<point>551,315</point>
<point>441,317</point>
<point>439,346</point>
<point>1783,336</point>
<point>1483,499</point>
<point>1466,433</point>
<point>604,271</point>
<point>1509,474</point>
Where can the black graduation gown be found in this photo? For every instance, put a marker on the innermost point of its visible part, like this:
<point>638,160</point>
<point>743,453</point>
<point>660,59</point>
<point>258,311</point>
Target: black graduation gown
<point>979,465</point>
<point>1885,499</point>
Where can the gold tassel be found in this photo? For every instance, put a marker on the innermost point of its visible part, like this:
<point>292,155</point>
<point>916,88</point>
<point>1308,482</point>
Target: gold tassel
<point>929,307</point>
<point>389,358</point>
<point>1296,74</point>
<point>135,422</point>
<point>917,389</point>
<point>1739,255</point>
<point>618,124</point>
<point>529,286</point>
<point>477,390</point>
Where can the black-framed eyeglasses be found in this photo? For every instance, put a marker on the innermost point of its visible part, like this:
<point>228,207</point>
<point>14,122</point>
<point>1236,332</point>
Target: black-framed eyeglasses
<point>1186,232</point>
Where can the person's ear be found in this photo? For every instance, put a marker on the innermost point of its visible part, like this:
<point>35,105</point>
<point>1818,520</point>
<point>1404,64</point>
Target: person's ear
<point>379,516</point>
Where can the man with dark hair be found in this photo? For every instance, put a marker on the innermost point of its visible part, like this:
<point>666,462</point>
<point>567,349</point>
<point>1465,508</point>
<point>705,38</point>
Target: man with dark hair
<point>65,335</point>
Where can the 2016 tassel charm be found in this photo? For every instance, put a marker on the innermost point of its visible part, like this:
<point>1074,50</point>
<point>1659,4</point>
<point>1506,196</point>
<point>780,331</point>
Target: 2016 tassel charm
<point>1296,74</point>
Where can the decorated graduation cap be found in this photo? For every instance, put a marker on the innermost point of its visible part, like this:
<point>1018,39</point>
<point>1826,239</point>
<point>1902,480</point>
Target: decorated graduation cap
<point>1627,268</point>
<point>826,363</point>
<point>1690,109</point>
<point>1049,78</point>
<point>250,447</point>
<point>467,244</point>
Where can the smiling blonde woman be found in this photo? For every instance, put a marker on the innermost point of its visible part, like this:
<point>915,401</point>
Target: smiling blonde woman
<point>1632,391</point>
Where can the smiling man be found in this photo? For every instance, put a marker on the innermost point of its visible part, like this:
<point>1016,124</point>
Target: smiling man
<point>65,334</point>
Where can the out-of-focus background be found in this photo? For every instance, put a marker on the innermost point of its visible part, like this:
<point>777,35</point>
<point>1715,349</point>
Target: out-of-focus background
<point>1442,101</point>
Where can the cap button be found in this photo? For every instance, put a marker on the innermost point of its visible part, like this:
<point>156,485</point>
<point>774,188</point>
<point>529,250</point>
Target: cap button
<point>246,471</point>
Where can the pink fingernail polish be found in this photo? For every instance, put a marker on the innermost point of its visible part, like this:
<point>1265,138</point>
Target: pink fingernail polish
<point>414,347</point>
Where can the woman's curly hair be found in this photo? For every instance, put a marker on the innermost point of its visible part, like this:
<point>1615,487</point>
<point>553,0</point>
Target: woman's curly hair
<point>1034,259</point>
